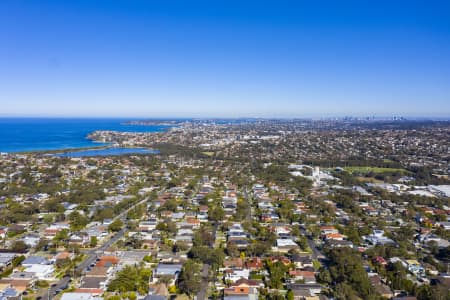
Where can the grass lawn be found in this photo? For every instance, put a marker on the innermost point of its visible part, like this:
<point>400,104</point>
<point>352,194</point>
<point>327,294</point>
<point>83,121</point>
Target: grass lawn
<point>376,170</point>
<point>388,161</point>
<point>369,179</point>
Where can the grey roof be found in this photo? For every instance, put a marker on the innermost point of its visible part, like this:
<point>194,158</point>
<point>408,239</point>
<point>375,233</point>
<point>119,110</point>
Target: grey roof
<point>8,292</point>
<point>35,260</point>
<point>155,297</point>
<point>168,269</point>
<point>6,258</point>
<point>92,282</point>
<point>183,238</point>
<point>300,286</point>
<point>22,275</point>
<point>240,297</point>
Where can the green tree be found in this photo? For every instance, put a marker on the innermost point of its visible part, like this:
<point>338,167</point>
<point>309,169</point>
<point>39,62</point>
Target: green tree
<point>208,255</point>
<point>104,213</point>
<point>277,273</point>
<point>48,219</point>
<point>171,205</point>
<point>242,210</point>
<point>347,271</point>
<point>61,237</point>
<point>290,295</point>
<point>53,205</point>
<point>131,279</point>
<point>180,246</point>
<point>115,226</point>
<point>41,244</point>
<point>232,250</point>
<point>189,280</point>
<point>132,296</point>
<point>216,214</point>
<point>167,226</point>
<point>19,246</point>
<point>17,260</point>
<point>77,221</point>
<point>352,234</point>
<point>94,241</point>
<point>135,242</point>
<point>424,292</point>
<point>203,236</point>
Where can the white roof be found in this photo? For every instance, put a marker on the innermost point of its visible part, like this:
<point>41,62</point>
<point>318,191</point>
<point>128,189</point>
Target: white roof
<point>40,269</point>
<point>444,189</point>
<point>421,193</point>
<point>79,296</point>
<point>285,242</point>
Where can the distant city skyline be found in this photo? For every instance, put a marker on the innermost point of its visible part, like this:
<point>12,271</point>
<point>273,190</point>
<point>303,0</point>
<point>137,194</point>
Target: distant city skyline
<point>280,59</point>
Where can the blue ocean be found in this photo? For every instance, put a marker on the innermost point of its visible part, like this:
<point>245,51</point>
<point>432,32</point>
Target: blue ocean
<point>37,134</point>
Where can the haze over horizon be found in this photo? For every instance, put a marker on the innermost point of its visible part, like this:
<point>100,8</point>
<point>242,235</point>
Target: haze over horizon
<point>224,59</point>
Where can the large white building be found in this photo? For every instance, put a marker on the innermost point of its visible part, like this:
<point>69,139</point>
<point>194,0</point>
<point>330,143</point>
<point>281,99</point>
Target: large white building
<point>443,190</point>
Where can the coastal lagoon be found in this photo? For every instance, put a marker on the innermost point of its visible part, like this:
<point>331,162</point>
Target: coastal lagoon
<point>40,134</point>
<point>115,151</point>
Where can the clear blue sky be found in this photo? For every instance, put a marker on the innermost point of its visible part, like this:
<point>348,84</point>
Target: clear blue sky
<point>224,58</point>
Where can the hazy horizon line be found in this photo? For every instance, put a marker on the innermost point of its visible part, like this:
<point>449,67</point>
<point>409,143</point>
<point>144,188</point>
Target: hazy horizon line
<point>312,117</point>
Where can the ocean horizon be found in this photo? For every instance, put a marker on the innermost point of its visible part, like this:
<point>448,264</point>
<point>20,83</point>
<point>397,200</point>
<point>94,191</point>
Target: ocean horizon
<point>21,134</point>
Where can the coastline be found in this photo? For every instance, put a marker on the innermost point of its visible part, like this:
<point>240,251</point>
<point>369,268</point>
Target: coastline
<point>57,151</point>
<point>62,152</point>
<point>51,135</point>
<point>108,151</point>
